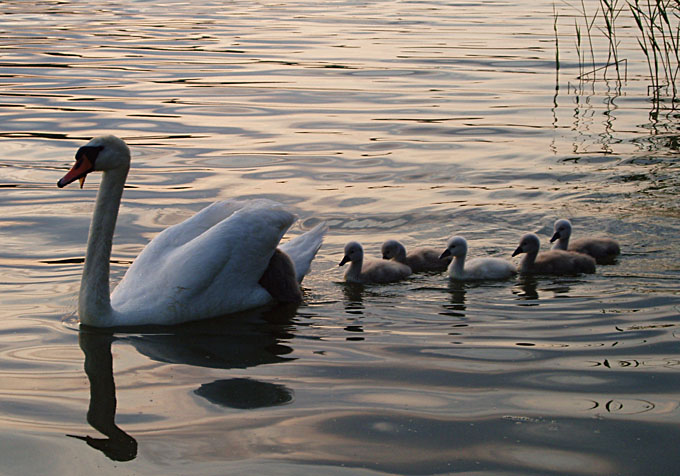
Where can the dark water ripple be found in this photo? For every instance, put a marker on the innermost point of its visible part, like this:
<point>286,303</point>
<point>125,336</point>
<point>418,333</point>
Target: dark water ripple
<point>415,120</point>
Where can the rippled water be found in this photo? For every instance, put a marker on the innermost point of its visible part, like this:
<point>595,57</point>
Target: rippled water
<point>414,120</point>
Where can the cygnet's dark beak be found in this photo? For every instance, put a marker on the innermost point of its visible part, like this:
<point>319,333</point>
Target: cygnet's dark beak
<point>445,254</point>
<point>518,251</point>
<point>345,259</point>
<point>556,236</point>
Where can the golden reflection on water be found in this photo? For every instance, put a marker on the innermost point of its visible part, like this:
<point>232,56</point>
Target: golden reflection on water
<point>401,120</point>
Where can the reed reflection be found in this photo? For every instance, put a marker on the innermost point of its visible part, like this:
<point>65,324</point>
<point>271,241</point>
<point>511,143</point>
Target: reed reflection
<point>233,342</point>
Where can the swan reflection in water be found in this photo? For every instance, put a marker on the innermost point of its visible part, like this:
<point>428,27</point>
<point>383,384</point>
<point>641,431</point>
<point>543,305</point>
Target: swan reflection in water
<point>119,446</point>
<point>233,342</point>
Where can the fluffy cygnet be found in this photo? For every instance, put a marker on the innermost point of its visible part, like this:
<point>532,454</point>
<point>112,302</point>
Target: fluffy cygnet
<point>553,261</point>
<point>477,268</point>
<point>371,270</point>
<point>419,259</point>
<point>604,250</point>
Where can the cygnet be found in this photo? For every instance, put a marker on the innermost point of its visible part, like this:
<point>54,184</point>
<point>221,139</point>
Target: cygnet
<point>477,268</point>
<point>553,261</point>
<point>419,259</point>
<point>604,250</point>
<point>371,270</point>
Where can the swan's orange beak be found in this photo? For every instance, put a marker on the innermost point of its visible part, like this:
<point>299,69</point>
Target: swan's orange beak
<point>82,167</point>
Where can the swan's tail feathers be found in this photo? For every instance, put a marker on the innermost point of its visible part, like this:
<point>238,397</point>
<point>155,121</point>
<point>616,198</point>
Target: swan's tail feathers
<point>303,248</point>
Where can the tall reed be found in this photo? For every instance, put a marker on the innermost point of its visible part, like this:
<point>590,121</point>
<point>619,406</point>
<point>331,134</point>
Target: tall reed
<point>557,40</point>
<point>658,35</point>
<point>658,25</point>
<point>610,13</point>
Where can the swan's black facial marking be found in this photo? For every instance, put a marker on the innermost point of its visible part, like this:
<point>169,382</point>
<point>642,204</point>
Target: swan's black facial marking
<point>90,152</point>
<point>85,160</point>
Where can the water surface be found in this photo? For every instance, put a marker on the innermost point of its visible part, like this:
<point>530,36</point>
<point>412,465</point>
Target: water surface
<point>387,119</point>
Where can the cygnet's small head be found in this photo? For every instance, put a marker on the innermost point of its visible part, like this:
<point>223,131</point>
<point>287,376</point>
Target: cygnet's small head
<point>101,153</point>
<point>392,249</point>
<point>456,246</point>
<point>353,252</point>
<point>528,244</point>
<point>562,230</point>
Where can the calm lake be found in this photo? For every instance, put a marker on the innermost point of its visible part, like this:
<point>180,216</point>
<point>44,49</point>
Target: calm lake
<point>414,120</point>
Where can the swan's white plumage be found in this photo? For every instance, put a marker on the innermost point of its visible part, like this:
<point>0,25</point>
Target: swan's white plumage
<point>208,265</point>
<point>476,268</point>
<point>212,273</point>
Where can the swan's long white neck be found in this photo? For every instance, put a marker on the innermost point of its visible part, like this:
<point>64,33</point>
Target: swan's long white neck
<point>94,302</point>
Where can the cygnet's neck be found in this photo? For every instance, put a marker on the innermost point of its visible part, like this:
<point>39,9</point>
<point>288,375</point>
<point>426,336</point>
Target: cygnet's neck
<point>457,266</point>
<point>94,301</point>
<point>401,254</point>
<point>562,243</point>
<point>354,271</point>
<point>529,260</point>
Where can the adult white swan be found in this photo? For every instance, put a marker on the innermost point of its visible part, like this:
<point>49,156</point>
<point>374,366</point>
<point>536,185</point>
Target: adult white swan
<point>209,265</point>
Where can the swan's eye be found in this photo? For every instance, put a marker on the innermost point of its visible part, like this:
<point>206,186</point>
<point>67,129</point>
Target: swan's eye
<point>88,152</point>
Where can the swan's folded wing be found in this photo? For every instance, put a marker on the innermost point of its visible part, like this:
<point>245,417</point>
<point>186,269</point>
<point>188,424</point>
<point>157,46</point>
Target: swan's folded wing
<point>214,273</point>
<point>303,248</point>
<point>183,232</point>
<point>175,236</point>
